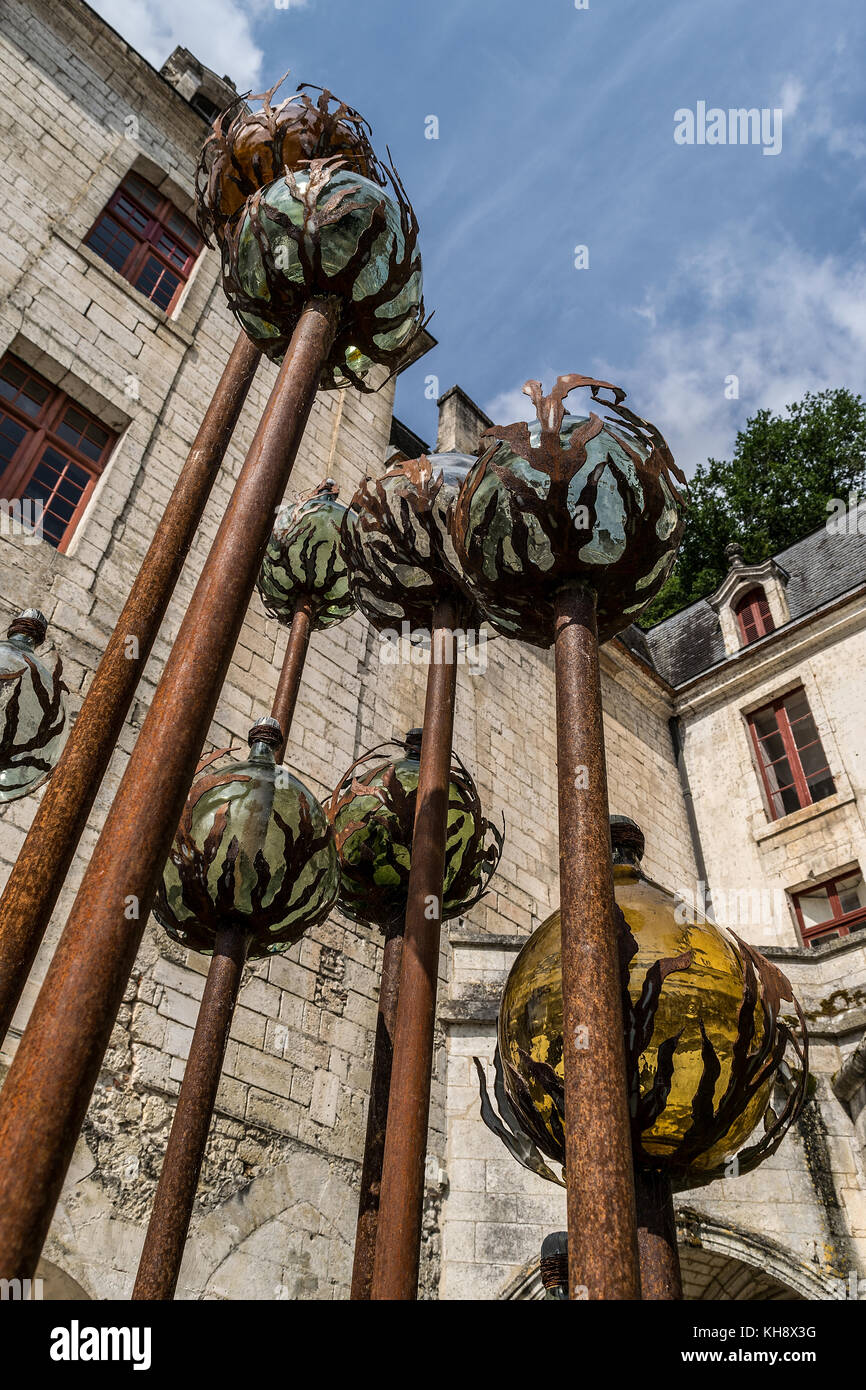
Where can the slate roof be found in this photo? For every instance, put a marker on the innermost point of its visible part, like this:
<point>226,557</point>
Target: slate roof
<point>821,567</point>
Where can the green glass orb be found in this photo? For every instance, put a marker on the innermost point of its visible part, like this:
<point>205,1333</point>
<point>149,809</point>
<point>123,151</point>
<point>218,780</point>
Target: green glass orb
<point>276,272</point>
<point>304,559</point>
<point>253,850</point>
<point>575,500</point>
<point>372,811</point>
<point>703,1078</point>
<point>399,549</point>
<point>33,713</point>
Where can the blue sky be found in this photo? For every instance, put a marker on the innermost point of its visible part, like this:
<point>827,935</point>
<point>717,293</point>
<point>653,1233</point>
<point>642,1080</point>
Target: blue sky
<point>556,130</point>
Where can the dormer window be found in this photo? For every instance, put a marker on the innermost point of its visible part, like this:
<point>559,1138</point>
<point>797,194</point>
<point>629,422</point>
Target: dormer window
<point>753,615</point>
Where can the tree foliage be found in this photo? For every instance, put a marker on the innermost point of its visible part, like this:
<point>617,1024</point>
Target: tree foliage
<point>773,492</point>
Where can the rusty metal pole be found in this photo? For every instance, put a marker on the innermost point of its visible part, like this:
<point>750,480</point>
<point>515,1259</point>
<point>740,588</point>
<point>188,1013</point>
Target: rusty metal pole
<point>293,668</point>
<point>43,863</point>
<point>377,1117</point>
<point>45,1099</point>
<point>167,1229</point>
<point>398,1238</point>
<point>602,1235</point>
<point>164,1243</point>
<point>660,1277</point>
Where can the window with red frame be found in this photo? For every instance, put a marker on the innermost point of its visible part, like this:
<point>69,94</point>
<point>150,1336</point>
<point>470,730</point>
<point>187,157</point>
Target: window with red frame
<point>754,616</point>
<point>145,239</point>
<point>51,450</point>
<point>832,908</point>
<point>790,754</point>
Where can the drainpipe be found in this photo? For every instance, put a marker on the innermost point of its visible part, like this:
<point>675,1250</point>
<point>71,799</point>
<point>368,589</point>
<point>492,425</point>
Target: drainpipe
<point>675,728</point>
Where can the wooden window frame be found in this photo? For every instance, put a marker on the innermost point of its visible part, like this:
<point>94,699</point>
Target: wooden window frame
<point>751,602</point>
<point>791,753</point>
<point>146,239</point>
<point>839,922</point>
<point>41,429</point>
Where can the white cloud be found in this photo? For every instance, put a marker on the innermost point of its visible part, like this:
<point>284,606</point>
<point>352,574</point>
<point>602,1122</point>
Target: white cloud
<point>218,32</point>
<point>780,320</point>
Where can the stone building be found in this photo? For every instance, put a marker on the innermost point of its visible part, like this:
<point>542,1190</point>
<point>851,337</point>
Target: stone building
<point>113,332</point>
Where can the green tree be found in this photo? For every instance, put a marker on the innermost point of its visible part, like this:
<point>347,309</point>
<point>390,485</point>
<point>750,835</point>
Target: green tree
<point>775,490</point>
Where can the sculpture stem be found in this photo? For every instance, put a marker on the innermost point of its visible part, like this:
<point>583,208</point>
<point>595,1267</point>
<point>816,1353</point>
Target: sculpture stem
<point>39,872</point>
<point>172,1207</point>
<point>398,1239</point>
<point>47,1091</point>
<point>602,1236</point>
<point>660,1278</point>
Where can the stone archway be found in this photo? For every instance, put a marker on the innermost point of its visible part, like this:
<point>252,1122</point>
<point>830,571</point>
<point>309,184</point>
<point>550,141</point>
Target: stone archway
<point>711,1276</point>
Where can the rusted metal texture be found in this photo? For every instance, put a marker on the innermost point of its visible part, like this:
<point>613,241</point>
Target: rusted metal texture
<point>398,1240</point>
<point>43,862</point>
<point>377,1117</point>
<point>172,1207</point>
<point>292,670</point>
<point>569,499</point>
<point>602,1238</point>
<point>660,1278</point>
<point>292,241</point>
<point>248,149</point>
<point>45,1098</point>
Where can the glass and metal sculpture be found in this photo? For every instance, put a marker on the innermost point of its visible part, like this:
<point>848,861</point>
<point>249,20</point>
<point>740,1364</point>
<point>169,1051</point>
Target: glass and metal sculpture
<point>566,528</point>
<point>304,562</point>
<point>253,850</point>
<point>326,231</point>
<point>373,810</point>
<point>403,570</point>
<point>33,711</point>
<point>708,1040</point>
<point>248,149</point>
<point>589,499</point>
<point>356,295</point>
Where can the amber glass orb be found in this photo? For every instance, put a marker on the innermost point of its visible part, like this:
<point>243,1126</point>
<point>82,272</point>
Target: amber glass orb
<point>32,708</point>
<point>696,1026</point>
<point>253,850</point>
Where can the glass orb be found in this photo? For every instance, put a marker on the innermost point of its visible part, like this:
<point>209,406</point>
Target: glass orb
<point>699,1027</point>
<point>253,850</point>
<point>400,552</point>
<point>373,815</point>
<point>33,713</point>
<point>360,277</point>
<point>304,559</point>
<point>579,500</point>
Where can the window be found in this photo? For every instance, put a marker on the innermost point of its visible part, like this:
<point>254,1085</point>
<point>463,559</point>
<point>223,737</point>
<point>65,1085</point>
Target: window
<point>147,241</point>
<point>790,754</point>
<point>753,615</point>
<point>51,451</point>
<point>833,908</point>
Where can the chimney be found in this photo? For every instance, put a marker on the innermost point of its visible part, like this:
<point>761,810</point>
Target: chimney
<point>460,423</point>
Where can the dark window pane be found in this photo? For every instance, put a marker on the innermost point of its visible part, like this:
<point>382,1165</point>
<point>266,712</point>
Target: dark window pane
<point>134,216</point>
<point>63,507</point>
<point>822,786</point>
<point>157,282</point>
<point>11,435</point>
<point>143,191</point>
<point>111,241</point>
<point>852,892</point>
<point>813,759</point>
